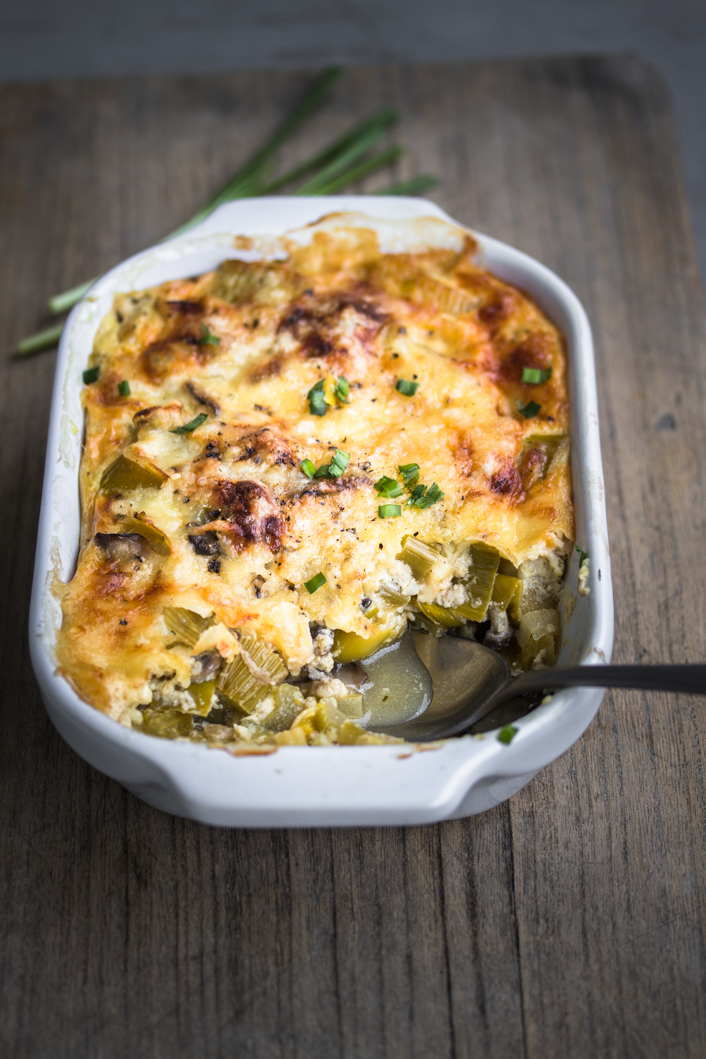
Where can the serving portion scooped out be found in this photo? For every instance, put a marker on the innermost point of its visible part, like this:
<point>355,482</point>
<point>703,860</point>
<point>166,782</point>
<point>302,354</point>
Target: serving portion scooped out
<point>291,458</point>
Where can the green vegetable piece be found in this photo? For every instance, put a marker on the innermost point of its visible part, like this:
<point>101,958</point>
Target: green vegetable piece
<point>308,468</point>
<point>124,388</point>
<point>202,694</point>
<point>410,474</point>
<point>406,387</point>
<point>288,704</point>
<point>528,410</point>
<point>507,734</point>
<point>388,487</point>
<point>91,375</point>
<point>481,579</point>
<point>342,390</point>
<point>582,553</point>
<point>208,338</point>
<point>389,511</point>
<point>338,464</point>
<point>186,624</point>
<point>238,680</point>
<point>445,617</point>
<point>125,474</point>
<point>535,376</point>
<point>322,471</point>
<point>189,427</point>
<point>314,583</point>
<point>422,500</point>
<point>317,400</point>
<point>420,557</point>
<point>167,724</point>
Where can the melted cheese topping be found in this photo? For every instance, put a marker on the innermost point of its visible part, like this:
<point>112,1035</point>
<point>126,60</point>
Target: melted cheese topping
<point>222,520</point>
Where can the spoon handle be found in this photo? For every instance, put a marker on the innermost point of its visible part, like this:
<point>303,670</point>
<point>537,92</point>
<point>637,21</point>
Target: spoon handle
<point>687,678</point>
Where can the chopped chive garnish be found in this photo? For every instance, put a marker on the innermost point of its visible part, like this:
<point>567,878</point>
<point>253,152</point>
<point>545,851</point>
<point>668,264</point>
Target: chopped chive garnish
<point>124,388</point>
<point>406,387</point>
<point>90,375</point>
<point>388,487</point>
<point>308,468</point>
<point>338,464</point>
<point>389,511</point>
<point>188,427</point>
<point>528,410</point>
<point>342,389</point>
<point>208,338</point>
<point>422,498</point>
<point>322,471</point>
<point>507,734</point>
<point>317,401</point>
<point>536,375</point>
<point>410,473</point>
<point>314,583</point>
<point>582,553</point>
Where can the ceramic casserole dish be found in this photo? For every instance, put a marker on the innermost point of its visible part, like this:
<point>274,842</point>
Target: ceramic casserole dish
<point>323,786</point>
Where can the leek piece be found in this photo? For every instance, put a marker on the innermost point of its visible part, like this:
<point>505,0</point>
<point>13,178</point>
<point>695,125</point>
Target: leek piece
<point>167,724</point>
<point>349,733</point>
<point>507,592</point>
<point>188,625</point>
<point>349,647</point>
<point>446,617</point>
<point>294,737</point>
<point>125,474</point>
<point>420,557</point>
<point>538,636</point>
<point>289,703</point>
<point>155,537</point>
<point>351,705</point>
<point>480,581</point>
<point>202,694</point>
<point>398,599</point>
<point>245,686</point>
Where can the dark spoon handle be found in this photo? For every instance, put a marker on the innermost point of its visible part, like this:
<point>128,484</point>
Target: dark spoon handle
<point>688,678</point>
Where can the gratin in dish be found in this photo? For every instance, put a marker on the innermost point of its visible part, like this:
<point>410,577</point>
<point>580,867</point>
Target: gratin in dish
<point>289,459</point>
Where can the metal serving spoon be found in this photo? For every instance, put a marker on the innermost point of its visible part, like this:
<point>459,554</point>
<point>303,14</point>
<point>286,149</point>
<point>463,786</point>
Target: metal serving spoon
<point>469,681</point>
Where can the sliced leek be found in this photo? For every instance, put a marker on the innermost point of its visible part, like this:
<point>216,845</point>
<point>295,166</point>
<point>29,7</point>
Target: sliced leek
<point>507,592</point>
<point>167,724</point>
<point>349,647</point>
<point>155,537</point>
<point>187,625</point>
<point>480,580</point>
<point>420,557</point>
<point>202,694</point>
<point>250,676</point>
<point>288,704</point>
<point>125,474</point>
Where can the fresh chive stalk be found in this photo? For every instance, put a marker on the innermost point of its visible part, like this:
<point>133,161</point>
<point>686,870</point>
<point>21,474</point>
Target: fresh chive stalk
<point>361,141</point>
<point>187,428</point>
<point>415,186</point>
<point>315,583</point>
<point>330,153</point>
<point>42,340</point>
<point>358,172</point>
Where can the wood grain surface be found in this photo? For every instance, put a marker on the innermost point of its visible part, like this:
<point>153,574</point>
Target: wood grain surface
<point>570,920</point>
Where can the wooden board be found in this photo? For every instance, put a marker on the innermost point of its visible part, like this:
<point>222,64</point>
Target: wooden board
<point>570,920</point>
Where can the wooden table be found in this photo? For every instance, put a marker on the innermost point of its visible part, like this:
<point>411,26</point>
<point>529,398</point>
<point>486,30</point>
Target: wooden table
<point>568,922</point>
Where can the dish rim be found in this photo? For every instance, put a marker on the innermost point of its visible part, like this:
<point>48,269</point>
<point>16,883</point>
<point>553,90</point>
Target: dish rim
<point>435,784</point>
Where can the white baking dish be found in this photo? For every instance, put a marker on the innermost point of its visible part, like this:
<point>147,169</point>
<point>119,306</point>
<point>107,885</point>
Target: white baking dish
<point>305,787</point>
